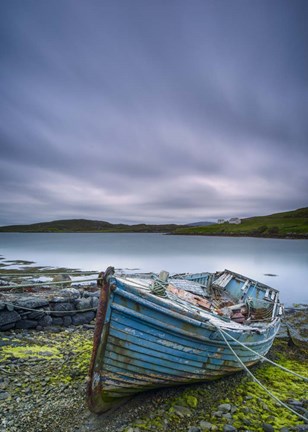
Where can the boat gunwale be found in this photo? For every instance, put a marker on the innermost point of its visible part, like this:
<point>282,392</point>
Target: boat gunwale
<point>203,321</point>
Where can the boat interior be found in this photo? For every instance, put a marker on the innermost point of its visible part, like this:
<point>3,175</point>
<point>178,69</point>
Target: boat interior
<point>226,294</point>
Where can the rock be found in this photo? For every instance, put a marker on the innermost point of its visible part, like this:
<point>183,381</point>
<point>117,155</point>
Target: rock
<point>46,321</point>
<point>83,303</point>
<point>57,299</point>
<point>82,318</point>
<point>194,429</point>
<point>36,315</point>
<point>205,426</point>
<point>31,303</point>
<point>268,428</point>
<point>7,327</point>
<point>224,407</point>
<point>67,321</point>
<point>229,428</point>
<point>91,294</point>
<point>247,410</point>
<point>94,302</point>
<point>192,401</point>
<point>295,403</point>
<point>88,326</point>
<point>284,429</point>
<point>61,278</point>
<point>71,293</point>
<point>217,414</point>
<point>8,318</point>
<point>62,307</point>
<point>182,411</point>
<point>26,324</point>
<point>4,395</point>
<point>302,428</point>
<point>10,307</point>
<point>247,422</point>
<point>2,305</point>
<point>227,416</point>
<point>57,321</point>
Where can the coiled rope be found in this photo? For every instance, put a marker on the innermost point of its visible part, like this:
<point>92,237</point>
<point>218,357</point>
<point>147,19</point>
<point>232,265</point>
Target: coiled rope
<point>258,382</point>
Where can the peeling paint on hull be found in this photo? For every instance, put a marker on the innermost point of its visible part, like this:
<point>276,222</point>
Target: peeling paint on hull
<point>143,342</point>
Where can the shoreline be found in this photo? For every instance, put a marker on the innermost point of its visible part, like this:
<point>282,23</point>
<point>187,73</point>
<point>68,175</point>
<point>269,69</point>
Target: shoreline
<point>217,234</point>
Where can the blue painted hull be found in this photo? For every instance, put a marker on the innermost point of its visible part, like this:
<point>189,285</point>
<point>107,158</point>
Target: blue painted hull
<point>143,341</point>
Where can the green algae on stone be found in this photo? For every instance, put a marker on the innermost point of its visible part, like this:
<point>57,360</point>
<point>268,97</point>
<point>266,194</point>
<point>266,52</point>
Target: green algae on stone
<point>29,351</point>
<point>191,401</point>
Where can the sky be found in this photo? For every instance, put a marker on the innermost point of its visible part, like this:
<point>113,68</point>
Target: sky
<point>152,111</point>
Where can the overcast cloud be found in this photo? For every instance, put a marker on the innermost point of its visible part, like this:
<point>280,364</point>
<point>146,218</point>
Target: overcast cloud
<point>152,111</point>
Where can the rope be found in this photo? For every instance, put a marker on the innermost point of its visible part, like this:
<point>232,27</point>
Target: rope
<point>258,382</point>
<point>47,312</point>
<point>6,287</point>
<point>265,358</point>
<point>159,288</point>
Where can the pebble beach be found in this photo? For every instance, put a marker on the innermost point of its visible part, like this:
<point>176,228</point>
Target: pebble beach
<point>43,379</point>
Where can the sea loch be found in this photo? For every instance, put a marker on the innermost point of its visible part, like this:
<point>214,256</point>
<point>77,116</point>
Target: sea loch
<point>282,264</point>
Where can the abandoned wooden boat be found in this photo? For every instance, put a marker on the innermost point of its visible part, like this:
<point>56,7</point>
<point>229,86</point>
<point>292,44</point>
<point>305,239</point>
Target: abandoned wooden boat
<point>164,331</point>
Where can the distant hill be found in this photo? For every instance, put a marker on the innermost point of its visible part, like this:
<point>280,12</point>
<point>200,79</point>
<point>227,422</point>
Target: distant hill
<point>202,223</point>
<point>291,224</point>
<point>85,225</point>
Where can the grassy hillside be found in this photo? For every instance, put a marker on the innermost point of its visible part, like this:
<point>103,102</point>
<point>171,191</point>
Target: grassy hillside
<point>292,224</point>
<point>84,225</point>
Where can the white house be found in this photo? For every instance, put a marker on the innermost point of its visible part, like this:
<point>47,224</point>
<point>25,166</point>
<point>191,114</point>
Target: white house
<point>235,221</point>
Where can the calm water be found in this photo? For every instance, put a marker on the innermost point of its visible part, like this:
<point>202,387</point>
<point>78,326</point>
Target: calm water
<point>288,259</point>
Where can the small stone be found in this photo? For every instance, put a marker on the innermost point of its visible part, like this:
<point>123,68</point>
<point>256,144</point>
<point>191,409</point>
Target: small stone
<point>295,402</point>
<point>218,414</point>
<point>192,401</point>
<point>182,411</point>
<point>229,428</point>
<point>227,416</point>
<point>205,426</point>
<point>224,407</point>
<point>194,429</point>
<point>284,429</point>
<point>4,395</point>
<point>247,422</point>
<point>267,427</point>
<point>94,302</point>
<point>233,409</point>
<point>91,294</point>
